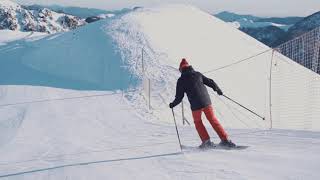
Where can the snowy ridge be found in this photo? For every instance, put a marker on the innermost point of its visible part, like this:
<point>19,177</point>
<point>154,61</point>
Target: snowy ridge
<point>102,137</point>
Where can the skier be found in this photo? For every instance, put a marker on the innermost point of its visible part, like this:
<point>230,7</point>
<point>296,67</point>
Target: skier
<point>193,84</point>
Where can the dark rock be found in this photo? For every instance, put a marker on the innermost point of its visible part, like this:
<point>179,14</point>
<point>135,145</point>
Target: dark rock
<point>92,19</point>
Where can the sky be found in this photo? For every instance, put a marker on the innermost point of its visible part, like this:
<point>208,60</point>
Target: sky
<point>269,8</point>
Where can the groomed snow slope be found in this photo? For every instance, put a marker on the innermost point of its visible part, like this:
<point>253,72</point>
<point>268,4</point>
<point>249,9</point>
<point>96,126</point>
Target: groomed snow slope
<point>115,136</point>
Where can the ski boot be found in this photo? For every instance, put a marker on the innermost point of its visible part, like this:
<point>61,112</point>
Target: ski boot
<point>206,144</point>
<point>227,143</point>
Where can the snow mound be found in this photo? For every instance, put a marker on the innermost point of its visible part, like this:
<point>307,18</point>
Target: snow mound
<point>82,59</point>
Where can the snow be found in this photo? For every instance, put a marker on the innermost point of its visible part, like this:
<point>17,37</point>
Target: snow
<point>39,65</point>
<point>263,160</point>
<point>104,16</point>
<point>7,36</point>
<point>90,119</point>
<point>245,23</point>
<point>209,50</point>
<point>39,20</point>
<point>9,4</point>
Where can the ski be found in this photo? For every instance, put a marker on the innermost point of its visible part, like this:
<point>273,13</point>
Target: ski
<point>213,147</point>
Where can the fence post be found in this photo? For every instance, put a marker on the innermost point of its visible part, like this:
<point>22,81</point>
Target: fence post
<point>142,58</point>
<point>270,89</point>
<point>149,93</point>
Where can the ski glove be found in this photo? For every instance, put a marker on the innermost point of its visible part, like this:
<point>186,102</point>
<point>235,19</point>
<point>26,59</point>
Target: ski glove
<point>171,105</point>
<point>219,92</point>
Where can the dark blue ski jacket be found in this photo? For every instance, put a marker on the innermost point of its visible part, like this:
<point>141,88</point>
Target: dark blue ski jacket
<point>193,84</point>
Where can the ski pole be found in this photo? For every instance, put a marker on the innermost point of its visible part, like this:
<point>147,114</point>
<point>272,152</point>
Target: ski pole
<point>263,118</point>
<point>175,123</point>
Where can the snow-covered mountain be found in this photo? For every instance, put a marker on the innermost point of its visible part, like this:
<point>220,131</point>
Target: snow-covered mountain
<point>89,14</point>
<point>271,31</point>
<point>231,17</point>
<point>245,23</point>
<point>73,105</point>
<point>249,21</point>
<point>307,24</point>
<point>17,18</point>
<point>266,30</point>
<point>75,11</point>
<point>78,11</point>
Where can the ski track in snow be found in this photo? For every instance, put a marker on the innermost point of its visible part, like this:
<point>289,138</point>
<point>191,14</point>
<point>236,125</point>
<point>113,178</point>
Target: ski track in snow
<point>263,160</point>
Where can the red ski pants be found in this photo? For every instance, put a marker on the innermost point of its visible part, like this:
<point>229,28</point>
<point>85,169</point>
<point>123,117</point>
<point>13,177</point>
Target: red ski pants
<point>202,131</point>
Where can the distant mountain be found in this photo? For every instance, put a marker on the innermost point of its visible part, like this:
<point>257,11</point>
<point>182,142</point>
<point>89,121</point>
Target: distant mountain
<point>231,17</point>
<point>268,35</point>
<point>301,27</point>
<point>245,23</point>
<point>92,19</point>
<point>18,18</point>
<point>249,21</point>
<point>77,11</point>
<point>271,31</point>
<point>276,31</point>
<point>285,20</point>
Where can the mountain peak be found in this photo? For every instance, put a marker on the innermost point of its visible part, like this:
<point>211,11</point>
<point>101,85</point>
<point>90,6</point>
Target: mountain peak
<point>307,24</point>
<point>15,17</point>
<point>231,17</point>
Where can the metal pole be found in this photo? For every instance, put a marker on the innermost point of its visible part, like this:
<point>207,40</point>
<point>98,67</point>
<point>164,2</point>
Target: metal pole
<point>182,113</point>
<point>175,123</point>
<point>270,89</point>
<point>149,93</point>
<point>142,58</point>
<point>244,107</point>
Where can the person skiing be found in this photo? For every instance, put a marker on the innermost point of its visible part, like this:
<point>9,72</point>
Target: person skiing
<point>194,84</point>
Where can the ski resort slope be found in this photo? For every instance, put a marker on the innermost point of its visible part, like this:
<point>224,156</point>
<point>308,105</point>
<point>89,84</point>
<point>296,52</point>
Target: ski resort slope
<point>239,64</point>
<point>74,105</point>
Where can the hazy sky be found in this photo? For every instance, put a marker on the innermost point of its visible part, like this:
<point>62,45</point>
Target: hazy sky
<point>256,7</point>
